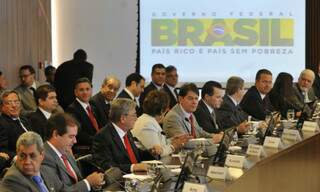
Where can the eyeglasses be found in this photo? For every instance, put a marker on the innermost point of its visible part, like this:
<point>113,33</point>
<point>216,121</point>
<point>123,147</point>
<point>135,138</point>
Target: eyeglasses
<point>132,115</point>
<point>25,75</point>
<point>15,102</point>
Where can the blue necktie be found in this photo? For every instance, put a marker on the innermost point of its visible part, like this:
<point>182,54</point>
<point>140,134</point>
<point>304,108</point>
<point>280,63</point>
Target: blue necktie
<point>38,180</point>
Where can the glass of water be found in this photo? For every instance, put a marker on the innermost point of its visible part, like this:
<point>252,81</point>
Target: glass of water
<point>290,114</point>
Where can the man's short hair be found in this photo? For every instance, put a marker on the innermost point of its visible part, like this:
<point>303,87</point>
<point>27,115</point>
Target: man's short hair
<point>5,94</point>
<point>133,77</point>
<point>185,88</point>
<point>81,80</point>
<point>119,107</point>
<point>234,84</point>
<point>108,78</point>
<point>48,70</point>
<point>307,72</point>
<point>262,71</point>
<point>27,67</point>
<point>157,66</point>
<point>43,91</point>
<point>28,139</point>
<point>156,103</point>
<point>170,68</point>
<point>59,122</point>
<point>208,88</point>
<point>80,55</point>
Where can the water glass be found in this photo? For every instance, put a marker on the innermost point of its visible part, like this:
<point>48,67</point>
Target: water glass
<point>290,114</point>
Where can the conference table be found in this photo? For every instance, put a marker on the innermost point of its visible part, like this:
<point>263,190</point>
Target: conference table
<point>291,168</point>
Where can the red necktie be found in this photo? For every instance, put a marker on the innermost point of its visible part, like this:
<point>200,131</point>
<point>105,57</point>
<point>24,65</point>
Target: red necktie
<point>193,130</point>
<point>66,163</point>
<point>130,152</point>
<point>92,118</point>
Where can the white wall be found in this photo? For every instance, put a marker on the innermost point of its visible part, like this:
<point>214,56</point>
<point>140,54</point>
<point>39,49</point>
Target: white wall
<point>106,29</point>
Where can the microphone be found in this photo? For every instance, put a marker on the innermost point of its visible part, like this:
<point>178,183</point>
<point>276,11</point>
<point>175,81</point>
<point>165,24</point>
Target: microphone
<point>113,175</point>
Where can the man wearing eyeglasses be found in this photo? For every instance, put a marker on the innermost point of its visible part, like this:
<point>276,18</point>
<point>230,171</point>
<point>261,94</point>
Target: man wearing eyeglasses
<point>12,124</point>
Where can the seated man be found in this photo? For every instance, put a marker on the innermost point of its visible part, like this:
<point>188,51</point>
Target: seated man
<point>230,113</point>
<point>63,129</point>
<point>113,146</point>
<point>303,88</point>
<point>27,174</point>
<point>256,101</point>
<point>180,119</point>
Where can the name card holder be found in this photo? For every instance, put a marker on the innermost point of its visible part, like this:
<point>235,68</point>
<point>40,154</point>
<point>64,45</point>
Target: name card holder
<point>310,126</point>
<point>220,173</point>
<point>273,142</point>
<point>256,150</point>
<point>291,135</point>
<point>237,161</point>
<point>194,187</point>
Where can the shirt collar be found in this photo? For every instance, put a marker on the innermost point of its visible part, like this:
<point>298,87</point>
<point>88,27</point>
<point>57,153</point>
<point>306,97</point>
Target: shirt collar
<point>208,106</point>
<point>186,114</point>
<point>33,85</point>
<point>55,149</point>
<point>233,100</point>
<point>129,93</point>
<point>262,95</point>
<point>84,105</point>
<point>157,86</point>
<point>45,113</point>
<point>120,132</point>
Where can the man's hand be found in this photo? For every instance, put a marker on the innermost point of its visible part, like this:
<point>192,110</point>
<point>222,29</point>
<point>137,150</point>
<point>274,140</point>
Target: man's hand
<point>95,179</point>
<point>4,155</point>
<point>156,150</point>
<point>243,127</point>
<point>217,137</point>
<point>140,167</point>
<point>178,141</point>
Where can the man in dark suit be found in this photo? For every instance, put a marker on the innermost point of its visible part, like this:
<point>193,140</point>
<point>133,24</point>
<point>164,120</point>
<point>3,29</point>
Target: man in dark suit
<point>134,88</point>
<point>170,85</point>
<point>85,114</point>
<point>101,100</point>
<point>303,88</point>
<point>230,113</point>
<point>66,75</point>
<point>63,129</point>
<point>113,146</point>
<point>50,72</point>
<point>27,89</point>
<point>12,124</point>
<point>46,99</point>
<point>256,101</point>
<point>27,174</point>
<point>158,77</point>
<point>211,99</point>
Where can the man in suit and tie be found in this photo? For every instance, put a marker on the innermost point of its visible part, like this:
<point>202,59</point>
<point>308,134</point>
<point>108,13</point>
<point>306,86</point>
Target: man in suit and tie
<point>256,101</point>
<point>134,88</point>
<point>211,99</point>
<point>12,123</point>
<point>158,77</point>
<point>180,119</point>
<point>303,88</point>
<point>101,100</point>
<point>47,102</point>
<point>170,85</point>
<point>63,129</point>
<point>230,113</point>
<point>85,114</point>
<point>114,145</point>
<point>27,174</point>
<point>66,75</point>
<point>27,88</point>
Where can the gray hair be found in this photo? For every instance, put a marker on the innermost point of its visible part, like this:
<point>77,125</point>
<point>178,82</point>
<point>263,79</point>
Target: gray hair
<point>234,83</point>
<point>108,78</point>
<point>30,138</point>
<point>307,72</point>
<point>5,94</point>
<point>119,107</point>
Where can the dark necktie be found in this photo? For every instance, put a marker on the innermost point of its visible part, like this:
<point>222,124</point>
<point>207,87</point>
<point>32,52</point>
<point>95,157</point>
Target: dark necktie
<point>18,121</point>
<point>68,167</point>
<point>130,152</point>
<point>33,90</point>
<point>41,186</point>
<point>92,118</point>
<point>213,115</point>
<point>193,130</point>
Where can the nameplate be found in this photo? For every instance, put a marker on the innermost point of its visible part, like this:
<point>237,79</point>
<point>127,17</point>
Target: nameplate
<point>193,187</point>
<point>272,142</point>
<point>220,173</point>
<point>291,135</point>
<point>310,126</point>
<point>255,150</point>
<point>235,161</point>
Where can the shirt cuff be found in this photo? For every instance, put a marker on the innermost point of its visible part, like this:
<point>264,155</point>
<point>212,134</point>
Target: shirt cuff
<point>131,168</point>
<point>87,184</point>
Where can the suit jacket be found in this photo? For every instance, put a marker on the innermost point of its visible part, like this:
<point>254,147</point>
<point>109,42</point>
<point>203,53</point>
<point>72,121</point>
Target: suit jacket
<point>175,123</point>
<point>205,119</point>
<point>316,85</point>
<point>102,108</point>
<point>124,94</point>
<point>87,130</point>
<point>54,163</point>
<point>109,151</point>
<point>39,123</point>
<point>145,92</point>
<point>66,75</point>
<point>10,130</point>
<point>254,105</point>
<point>27,98</point>
<point>311,94</point>
<point>173,100</point>
<point>230,115</point>
<point>15,181</point>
